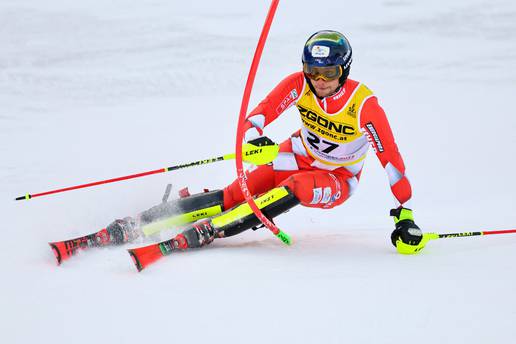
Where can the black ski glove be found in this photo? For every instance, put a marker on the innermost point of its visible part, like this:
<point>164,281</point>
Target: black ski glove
<point>406,230</point>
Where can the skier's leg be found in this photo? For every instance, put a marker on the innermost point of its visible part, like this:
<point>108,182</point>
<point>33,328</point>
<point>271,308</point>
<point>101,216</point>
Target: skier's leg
<point>317,188</point>
<point>313,187</point>
<point>181,211</point>
<point>189,209</point>
<point>166,215</point>
<point>320,188</point>
<point>266,177</point>
<point>259,180</point>
<point>238,219</point>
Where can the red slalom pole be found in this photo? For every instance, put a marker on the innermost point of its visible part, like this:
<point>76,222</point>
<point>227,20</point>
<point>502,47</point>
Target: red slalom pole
<point>243,111</point>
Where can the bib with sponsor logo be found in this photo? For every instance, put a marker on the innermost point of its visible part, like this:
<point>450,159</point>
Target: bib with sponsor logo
<point>334,139</point>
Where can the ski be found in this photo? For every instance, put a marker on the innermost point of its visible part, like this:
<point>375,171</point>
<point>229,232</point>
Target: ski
<point>65,249</point>
<point>117,233</point>
<point>146,255</point>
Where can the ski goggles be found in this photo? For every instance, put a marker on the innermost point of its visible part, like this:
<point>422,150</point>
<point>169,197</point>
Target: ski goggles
<point>327,73</point>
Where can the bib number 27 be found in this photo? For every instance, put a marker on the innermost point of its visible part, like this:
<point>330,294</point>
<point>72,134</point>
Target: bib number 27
<point>321,145</point>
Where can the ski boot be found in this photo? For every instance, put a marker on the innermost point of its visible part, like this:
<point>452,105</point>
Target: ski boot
<point>117,233</point>
<point>122,231</point>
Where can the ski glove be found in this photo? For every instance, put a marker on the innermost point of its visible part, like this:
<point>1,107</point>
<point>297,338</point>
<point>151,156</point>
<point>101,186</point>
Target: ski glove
<point>407,237</point>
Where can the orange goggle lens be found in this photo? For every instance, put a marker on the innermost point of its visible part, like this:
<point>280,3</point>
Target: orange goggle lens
<point>326,73</point>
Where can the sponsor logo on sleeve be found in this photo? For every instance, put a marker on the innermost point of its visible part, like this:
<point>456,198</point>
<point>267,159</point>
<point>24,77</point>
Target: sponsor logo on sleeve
<point>287,101</point>
<point>374,135</point>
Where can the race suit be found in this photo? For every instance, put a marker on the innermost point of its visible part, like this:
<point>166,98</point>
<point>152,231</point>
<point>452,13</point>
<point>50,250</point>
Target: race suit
<point>322,161</point>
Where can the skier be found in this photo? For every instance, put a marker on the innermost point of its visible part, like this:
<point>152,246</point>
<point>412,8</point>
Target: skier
<point>318,166</point>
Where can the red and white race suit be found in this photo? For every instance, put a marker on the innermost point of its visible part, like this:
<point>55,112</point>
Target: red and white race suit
<point>322,162</point>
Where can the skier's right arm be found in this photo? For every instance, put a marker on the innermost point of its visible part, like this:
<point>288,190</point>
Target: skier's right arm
<point>284,95</point>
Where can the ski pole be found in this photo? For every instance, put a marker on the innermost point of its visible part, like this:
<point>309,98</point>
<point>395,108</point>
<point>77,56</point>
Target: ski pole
<point>408,249</point>
<point>434,236</point>
<point>250,153</point>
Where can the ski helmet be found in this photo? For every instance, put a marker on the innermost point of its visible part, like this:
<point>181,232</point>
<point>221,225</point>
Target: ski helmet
<point>328,48</point>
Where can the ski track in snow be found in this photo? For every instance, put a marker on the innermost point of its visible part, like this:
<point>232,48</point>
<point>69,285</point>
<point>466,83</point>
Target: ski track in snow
<point>95,90</point>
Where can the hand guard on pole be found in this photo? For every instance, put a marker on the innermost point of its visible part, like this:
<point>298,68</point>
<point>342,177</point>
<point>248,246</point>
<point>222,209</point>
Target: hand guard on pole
<point>260,151</point>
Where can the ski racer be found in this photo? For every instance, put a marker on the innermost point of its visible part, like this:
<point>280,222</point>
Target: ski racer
<point>318,166</point>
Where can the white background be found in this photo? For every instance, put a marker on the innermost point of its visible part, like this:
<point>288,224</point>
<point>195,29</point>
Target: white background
<point>98,89</point>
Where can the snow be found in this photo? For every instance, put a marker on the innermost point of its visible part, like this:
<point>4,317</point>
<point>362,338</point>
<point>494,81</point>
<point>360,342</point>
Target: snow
<point>99,89</point>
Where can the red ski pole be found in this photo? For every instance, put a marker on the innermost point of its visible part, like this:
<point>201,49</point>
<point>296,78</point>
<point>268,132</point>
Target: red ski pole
<point>243,111</point>
<point>408,249</point>
<point>468,234</point>
<point>112,180</point>
<point>251,153</point>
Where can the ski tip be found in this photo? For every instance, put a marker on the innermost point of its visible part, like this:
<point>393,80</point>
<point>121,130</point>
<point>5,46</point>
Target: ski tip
<point>136,261</point>
<point>57,254</point>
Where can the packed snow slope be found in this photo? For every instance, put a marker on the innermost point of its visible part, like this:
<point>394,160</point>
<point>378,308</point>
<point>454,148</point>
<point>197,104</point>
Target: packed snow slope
<point>97,89</point>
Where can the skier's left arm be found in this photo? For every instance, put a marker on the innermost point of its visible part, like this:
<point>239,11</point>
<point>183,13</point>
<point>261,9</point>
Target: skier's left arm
<point>373,121</point>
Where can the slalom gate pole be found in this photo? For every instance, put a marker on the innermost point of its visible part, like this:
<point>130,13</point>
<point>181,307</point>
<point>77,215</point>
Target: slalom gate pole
<point>251,153</point>
<point>285,238</point>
